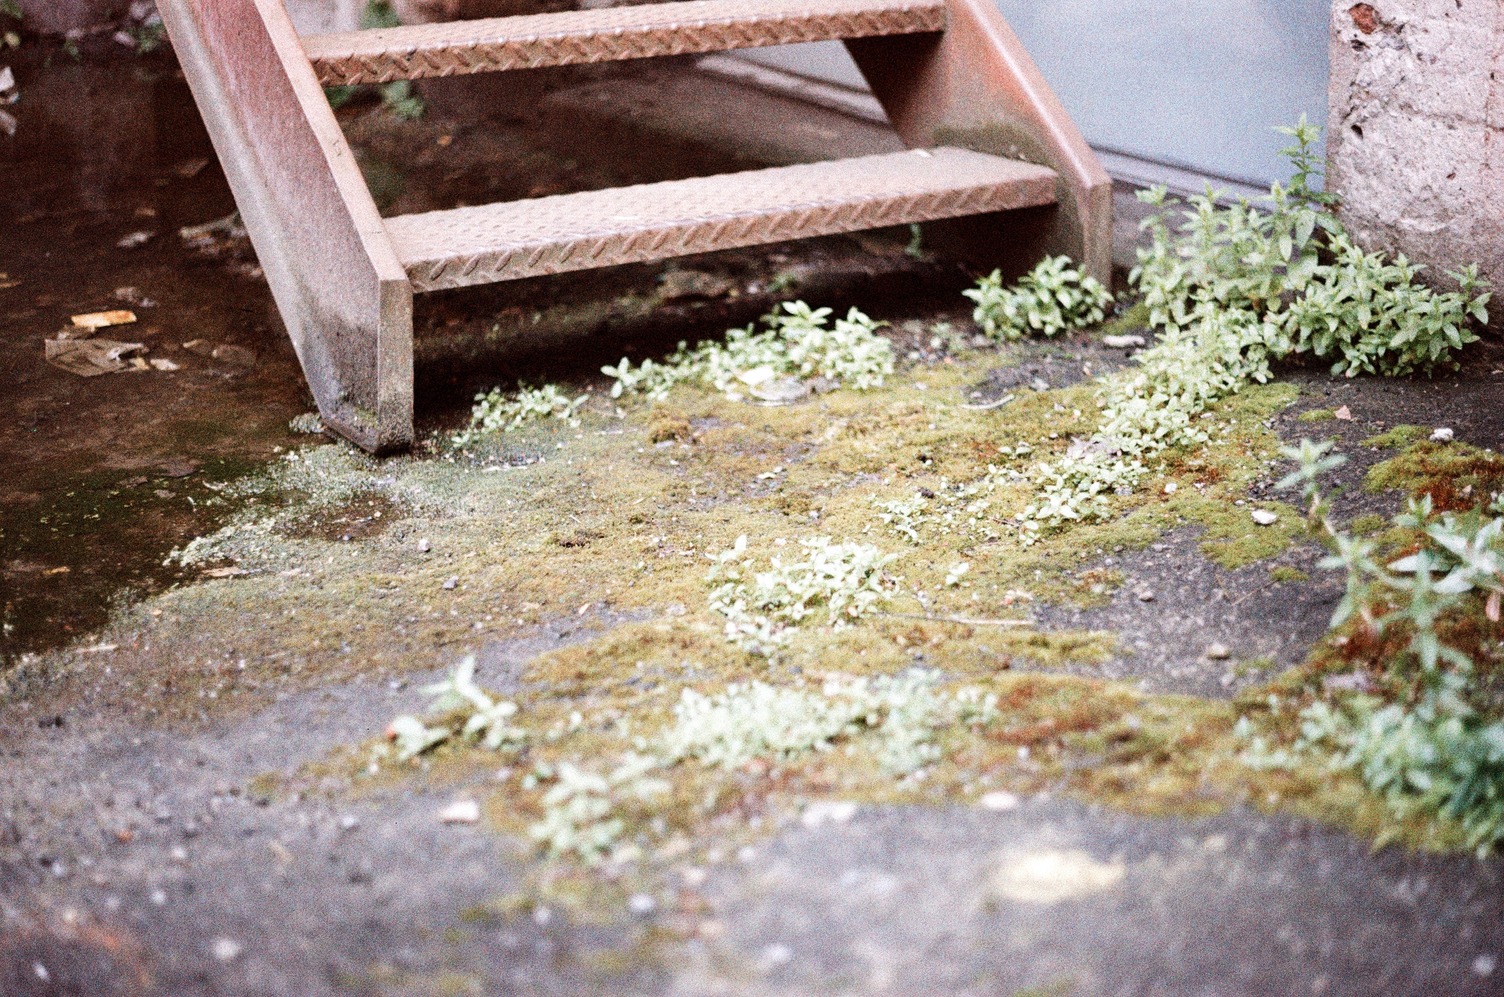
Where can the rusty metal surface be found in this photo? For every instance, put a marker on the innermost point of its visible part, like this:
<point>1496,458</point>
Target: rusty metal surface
<point>976,86</point>
<point>341,291</point>
<point>573,37</point>
<point>547,235</point>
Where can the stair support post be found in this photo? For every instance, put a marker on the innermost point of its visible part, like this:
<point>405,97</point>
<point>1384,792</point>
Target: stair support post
<point>343,294</point>
<point>974,85</point>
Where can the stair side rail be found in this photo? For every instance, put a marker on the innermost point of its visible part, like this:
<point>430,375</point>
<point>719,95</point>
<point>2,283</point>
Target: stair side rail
<point>341,291</point>
<point>974,85</point>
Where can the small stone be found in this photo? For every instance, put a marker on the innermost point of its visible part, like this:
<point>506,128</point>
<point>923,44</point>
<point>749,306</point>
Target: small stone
<point>1264,517</point>
<point>1441,434</point>
<point>226,949</point>
<point>451,582</point>
<point>1343,414</point>
<point>348,822</point>
<point>1218,652</point>
<point>1171,488</point>
<point>1485,965</point>
<point>424,546</point>
<point>776,955</point>
<point>999,800</point>
<point>1040,384</point>
<point>460,812</point>
<point>816,814</point>
<point>1145,595</point>
<point>1122,342</point>
<point>641,904</point>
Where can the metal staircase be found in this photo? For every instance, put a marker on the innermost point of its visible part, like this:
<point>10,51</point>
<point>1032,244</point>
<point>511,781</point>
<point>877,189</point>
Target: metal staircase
<point>985,132</point>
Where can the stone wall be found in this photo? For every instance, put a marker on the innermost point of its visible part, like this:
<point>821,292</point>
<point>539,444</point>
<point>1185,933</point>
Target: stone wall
<point>1415,140</point>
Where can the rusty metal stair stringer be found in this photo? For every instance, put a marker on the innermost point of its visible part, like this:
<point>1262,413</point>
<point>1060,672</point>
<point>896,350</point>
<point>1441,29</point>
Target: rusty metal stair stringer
<point>975,86</point>
<point>342,293</point>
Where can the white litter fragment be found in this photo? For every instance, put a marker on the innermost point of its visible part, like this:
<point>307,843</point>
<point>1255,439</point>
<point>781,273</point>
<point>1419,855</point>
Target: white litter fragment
<point>460,812</point>
<point>1122,342</point>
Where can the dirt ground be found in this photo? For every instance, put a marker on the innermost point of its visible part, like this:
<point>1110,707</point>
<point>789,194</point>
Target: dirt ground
<point>190,800</point>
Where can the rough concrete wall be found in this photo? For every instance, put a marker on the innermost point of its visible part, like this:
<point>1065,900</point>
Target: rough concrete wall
<point>1416,130</point>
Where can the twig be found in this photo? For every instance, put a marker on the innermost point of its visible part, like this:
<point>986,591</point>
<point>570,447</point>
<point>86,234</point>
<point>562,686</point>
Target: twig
<point>985,406</point>
<point>963,620</point>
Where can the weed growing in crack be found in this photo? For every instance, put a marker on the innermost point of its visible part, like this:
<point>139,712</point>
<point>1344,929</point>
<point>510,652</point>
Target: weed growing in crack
<point>1433,754</point>
<point>836,583</point>
<point>903,713</point>
<point>474,714</point>
<point>1233,289</point>
<point>496,411</point>
<point>582,809</point>
<point>1052,298</point>
<point>796,342</point>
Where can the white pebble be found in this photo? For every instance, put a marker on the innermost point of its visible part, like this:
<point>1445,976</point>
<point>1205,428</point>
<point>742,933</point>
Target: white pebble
<point>1441,434</point>
<point>838,812</point>
<point>460,812</point>
<point>1264,517</point>
<point>1122,342</point>
<point>999,800</point>
<point>1171,488</point>
<point>1218,652</point>
<point>1485,965</point>
<point>641,904</point>
<point>226,949</point>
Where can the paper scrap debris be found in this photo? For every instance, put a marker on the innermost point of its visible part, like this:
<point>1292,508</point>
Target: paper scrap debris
<point>1122,342</point>
<point>103,320</point>
<point>89,357</point>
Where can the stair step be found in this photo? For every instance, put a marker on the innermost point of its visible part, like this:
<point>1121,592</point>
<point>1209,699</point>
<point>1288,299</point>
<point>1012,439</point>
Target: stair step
<point>534,40</point>
<point>546,235</point>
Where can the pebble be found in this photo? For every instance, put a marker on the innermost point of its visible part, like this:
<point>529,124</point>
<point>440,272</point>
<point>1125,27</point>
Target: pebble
<point>999,800</point>
<point>641,904</point>
<point>348,822</point>
<point>820,813</point>
<point>1264,517</point>
<point>424,546</point>
<point>1441,434</point>
<point>226,949</point>
<point>1145,595</point>
<point>451,582</point>
<point>1218,652</point>
<point>1485,965</point>
<point>1171,488</point>
<point>460,812</point>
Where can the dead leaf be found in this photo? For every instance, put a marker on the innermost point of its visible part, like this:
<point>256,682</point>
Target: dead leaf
<point>103,320</point>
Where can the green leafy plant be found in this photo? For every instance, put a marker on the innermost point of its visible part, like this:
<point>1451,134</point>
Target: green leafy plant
<point>474,715</point>
<point>1048,300</point>
<point>797,341</point>
<point>496,411</point>
<point>1436,755</point>
<point>837,583</point>
<point>1289,263</point>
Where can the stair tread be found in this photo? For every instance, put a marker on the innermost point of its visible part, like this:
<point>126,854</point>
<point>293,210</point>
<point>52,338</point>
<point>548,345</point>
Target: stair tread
<point>563,232</point>
<point>581,36</point>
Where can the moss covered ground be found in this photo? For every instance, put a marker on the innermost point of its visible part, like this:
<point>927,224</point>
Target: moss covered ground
<point>337,566</point>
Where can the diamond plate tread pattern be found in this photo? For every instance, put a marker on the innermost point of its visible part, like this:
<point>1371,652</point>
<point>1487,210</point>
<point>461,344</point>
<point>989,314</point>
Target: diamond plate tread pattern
<point>547,235</point>
<point>573,37</point>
